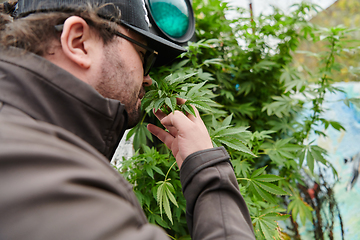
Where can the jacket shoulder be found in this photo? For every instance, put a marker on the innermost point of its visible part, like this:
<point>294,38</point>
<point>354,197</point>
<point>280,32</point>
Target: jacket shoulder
<point>56,181</point>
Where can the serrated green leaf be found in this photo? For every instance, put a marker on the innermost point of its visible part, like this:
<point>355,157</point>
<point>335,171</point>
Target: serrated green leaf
<point>159,195</point>
<point>181,78</point>
<point>201,105</point>
<point>275,216</point>
<point>317,156</point>
<point>232,131</point>
<point>180,64</point>
<point>161,221</point>
<point>160,93</point>
<point>170,186</point>
<point>257,172</point>
<point>158,103</point>
<point>285,153</point>
<point>171,197</point>
<point>266,231</point>
<point>302,157</point>
<point>149,171</point>
<point>218,129</point>
<point>275,210</point>
<point>166,206</point>
<point>237,145</point>
<point>355,101</point>
<point>150,107</point>
<point>261,193</point>
<point>267,178</point>
<point>188,109</point>
<point>271,188</point>
<point>310,161</point>
<point>336,125</point>
<point>216,61</point>
<point>242,167</point>
<point>169,104</point>
<point>148,133</point>
<point>132,132</point>
<point>276,157</point>
<point>298,206</point>
<point>158,170</point>
<point>227,120</point>
<point>195,89</point>
<point>270,223</point>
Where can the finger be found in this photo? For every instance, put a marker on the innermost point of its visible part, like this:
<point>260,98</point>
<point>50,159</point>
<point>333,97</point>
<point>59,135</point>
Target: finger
<point>159,114</point>
<point>172,130</point>
<point>177,120</point>
<point>180,101</point>
<point>161,134</point>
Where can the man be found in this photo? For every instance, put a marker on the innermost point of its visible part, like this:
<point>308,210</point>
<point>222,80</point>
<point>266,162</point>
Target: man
<point>72,75</point>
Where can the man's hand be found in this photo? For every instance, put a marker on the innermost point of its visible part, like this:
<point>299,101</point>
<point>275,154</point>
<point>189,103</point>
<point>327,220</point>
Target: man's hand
<point>187,134</point>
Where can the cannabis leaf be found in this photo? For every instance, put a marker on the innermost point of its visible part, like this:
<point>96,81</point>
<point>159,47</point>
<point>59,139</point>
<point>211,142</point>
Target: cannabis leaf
<point>281,150</point>
<point>261,186</point>
<point>355,101</point>
<point>164,193</point>
<point>312,153</point>
<point>265,222</point>
<point>140,133</point>
<point>282,106</point>
<point>233,137</point>
<point>179,85</point>
<point>298,206</point>
<point>241,167</point>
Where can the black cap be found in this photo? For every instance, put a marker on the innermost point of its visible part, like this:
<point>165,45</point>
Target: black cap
<point>133,15</point>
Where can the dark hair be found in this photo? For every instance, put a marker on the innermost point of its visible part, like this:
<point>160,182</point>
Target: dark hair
<point>36,32</point>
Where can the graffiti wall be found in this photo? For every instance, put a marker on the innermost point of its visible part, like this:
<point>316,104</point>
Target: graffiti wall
<point>344,153</point>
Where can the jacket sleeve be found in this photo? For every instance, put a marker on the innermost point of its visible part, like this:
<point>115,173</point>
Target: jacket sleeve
<point>215,208</point>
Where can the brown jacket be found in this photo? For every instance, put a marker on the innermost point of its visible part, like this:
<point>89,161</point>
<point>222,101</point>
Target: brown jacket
<point>57,135</point>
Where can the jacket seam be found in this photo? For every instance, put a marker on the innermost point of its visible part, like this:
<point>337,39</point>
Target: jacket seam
<point>222,208</point>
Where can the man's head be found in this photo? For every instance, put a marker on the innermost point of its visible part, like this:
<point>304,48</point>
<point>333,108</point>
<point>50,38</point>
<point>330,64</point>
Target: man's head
<point>130,13</point>
<point>105,43</point>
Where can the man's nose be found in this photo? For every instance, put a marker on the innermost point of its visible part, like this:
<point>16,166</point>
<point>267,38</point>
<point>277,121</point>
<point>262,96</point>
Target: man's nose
<point>147,81</point>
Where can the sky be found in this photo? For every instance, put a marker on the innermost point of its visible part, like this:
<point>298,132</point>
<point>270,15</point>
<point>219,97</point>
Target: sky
<point>264,6</point>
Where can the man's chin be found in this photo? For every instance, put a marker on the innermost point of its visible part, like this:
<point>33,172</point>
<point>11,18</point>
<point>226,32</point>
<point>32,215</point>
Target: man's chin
<point>133,119</point>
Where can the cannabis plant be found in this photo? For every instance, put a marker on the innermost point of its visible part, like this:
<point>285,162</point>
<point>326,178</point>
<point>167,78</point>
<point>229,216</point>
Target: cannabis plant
<point>241,76</point>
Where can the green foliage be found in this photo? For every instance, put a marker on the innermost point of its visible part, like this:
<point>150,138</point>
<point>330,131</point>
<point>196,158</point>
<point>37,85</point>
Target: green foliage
<point>173,87</point>
<point>298,206</point>
<point>261,187</point>
<point>222,133</point>
<point>355,101</point>
<point>157,186</point>
<point>251,99</point>
<point>141,136</point>
<point>266,223</point>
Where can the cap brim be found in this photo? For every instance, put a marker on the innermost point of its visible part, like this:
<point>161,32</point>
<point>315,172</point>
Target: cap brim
<point>167,51</point>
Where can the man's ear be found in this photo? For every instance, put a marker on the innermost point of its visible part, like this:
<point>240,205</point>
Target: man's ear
<point>76,41</point>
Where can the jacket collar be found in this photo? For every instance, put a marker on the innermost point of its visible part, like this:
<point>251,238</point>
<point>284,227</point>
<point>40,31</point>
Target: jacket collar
<point>48,93</point>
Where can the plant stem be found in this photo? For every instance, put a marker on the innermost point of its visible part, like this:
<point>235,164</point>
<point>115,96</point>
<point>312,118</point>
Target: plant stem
<point>319,100</point>
<point>169,171</point>
<point>171,237</point>
<point>243,179</point>
<point>143,119</point>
